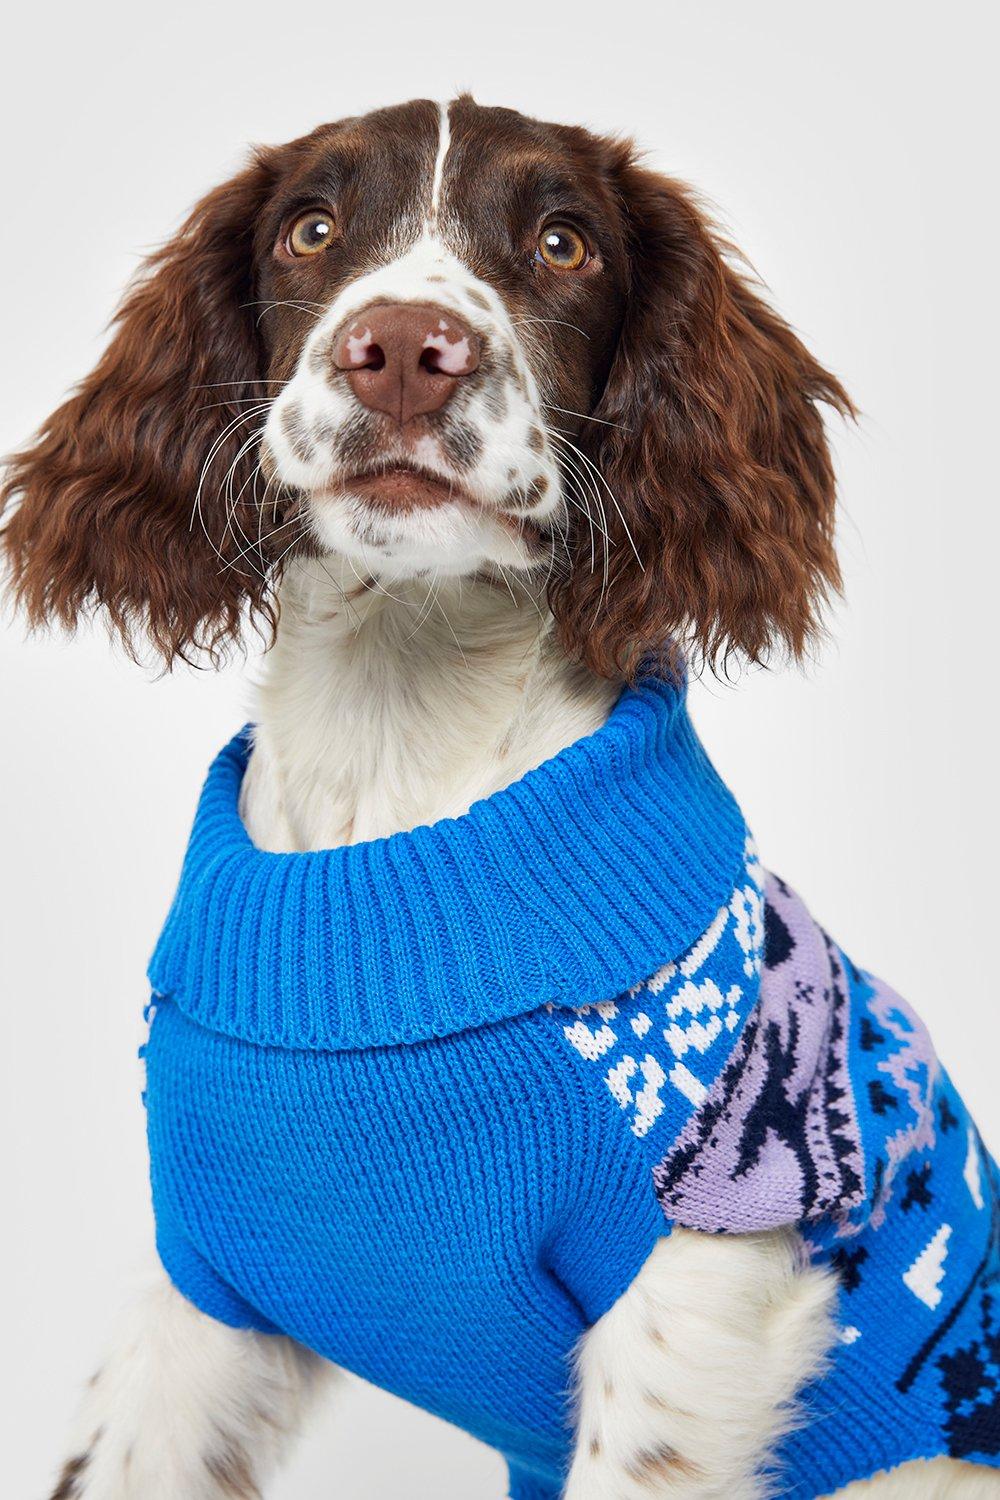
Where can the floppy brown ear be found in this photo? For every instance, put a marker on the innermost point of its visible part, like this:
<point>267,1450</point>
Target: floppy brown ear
<point>103,500</point>
<point>716,457</point>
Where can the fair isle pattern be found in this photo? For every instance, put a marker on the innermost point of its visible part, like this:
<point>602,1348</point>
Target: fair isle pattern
<point>660,1046</point>
<point>778,1138</point>
<point>830,1111</point>
<point>918,1253</point>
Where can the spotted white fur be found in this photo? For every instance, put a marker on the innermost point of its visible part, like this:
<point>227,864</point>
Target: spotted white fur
<point>184,1408</point>
<point>516,475</point>
<point>711,1325</point>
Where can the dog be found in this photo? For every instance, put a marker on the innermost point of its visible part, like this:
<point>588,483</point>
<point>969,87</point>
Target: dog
<point>477,420</point>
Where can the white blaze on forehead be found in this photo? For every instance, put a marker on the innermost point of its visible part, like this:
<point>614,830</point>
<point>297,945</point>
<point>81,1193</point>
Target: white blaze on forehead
<point>444,141</point>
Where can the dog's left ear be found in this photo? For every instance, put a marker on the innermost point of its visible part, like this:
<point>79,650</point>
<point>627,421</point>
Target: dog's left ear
<point>715,455</point>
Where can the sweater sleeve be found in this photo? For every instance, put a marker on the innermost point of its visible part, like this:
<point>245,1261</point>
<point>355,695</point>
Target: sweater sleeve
<point>606,1217</point>
<point>196,1280</point>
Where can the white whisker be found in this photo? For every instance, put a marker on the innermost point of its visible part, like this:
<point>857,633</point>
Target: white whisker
<point>602,421</point>
<point>554,322</point>
<point>231,562</point>
<point>269,305</point>
<point>611,494</point>
<point>213,385</point>
<point>215,448</point>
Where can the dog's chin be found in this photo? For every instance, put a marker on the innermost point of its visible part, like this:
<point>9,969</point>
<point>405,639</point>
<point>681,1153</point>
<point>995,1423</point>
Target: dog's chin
<point>404,525</point>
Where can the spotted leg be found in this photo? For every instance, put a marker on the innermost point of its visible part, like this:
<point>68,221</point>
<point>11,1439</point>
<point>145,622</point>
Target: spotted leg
<point>186,1407</point>
<point>686,1384</point>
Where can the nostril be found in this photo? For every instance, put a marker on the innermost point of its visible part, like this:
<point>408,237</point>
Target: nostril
<point>430,359</point>
<point>404,359</point>
<point>360,349</point>
<point>364,355</point>
<point>449,349</point>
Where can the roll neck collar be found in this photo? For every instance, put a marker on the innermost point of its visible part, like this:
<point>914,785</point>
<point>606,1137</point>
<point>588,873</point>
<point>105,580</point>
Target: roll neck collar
<point>567,887</point>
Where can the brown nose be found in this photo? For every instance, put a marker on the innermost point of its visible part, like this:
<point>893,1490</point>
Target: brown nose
<point>406,358</point>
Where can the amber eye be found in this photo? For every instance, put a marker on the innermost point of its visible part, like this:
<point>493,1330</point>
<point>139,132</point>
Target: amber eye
<point>310,233</point>
<point>562,247</point>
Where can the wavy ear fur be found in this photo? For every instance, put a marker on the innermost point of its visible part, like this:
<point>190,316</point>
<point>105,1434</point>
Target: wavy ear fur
<point>102,503</point>
<point>716,457</point>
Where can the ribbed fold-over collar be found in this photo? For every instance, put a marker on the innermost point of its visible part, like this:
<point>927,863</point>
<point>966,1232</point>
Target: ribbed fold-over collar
<point>569,886</point>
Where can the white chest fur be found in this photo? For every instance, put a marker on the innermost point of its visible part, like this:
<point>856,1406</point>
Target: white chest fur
<point>382,711</point>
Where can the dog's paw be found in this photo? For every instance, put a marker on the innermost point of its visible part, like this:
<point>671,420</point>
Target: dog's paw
<point>116,1470</point>
<point>186,1408</point>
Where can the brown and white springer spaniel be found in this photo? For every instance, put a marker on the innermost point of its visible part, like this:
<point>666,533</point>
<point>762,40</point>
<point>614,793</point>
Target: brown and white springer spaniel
<point>471,414</point>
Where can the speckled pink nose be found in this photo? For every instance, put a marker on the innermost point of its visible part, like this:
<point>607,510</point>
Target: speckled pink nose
<point>406,358</point>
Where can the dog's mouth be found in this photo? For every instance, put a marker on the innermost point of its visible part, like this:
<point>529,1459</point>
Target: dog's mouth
<point>403,487</point>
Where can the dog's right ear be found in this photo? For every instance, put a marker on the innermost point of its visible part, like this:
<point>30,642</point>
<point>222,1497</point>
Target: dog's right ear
<point>103,503</point>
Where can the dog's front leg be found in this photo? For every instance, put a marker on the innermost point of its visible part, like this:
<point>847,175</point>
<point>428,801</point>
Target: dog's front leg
<point>685,1385</point>
<point>185,1408</point>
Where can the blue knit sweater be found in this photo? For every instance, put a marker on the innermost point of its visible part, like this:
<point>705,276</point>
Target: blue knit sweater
<point>426,1104</point>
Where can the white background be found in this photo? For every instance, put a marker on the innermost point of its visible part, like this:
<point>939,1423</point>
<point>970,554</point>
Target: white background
<point>848,150</point>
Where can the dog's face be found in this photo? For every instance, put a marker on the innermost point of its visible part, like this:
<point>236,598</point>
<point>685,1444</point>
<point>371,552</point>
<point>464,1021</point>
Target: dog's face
<point>440,293</point>
<point>442,341</point>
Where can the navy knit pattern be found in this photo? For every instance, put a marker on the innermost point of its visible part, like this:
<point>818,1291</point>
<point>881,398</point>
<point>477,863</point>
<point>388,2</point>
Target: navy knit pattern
<point>427,1104</point>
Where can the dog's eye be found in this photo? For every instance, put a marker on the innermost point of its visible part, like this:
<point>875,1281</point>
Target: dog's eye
<point>562,247</point>
<point>310,233</point>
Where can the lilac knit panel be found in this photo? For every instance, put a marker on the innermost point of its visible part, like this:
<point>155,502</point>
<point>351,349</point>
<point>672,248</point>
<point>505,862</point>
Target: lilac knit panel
<point>777,1139</point>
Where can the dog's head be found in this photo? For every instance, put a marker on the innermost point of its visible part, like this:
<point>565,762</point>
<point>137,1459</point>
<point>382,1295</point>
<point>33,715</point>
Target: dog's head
<point>439,341</point>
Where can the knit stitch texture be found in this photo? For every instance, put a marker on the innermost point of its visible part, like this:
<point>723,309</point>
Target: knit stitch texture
<point>427,1104</point>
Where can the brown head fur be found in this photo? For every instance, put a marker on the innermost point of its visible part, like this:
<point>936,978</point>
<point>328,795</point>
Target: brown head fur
<point>107,490</point>
<point>705,418</point>
<point>715,452</point>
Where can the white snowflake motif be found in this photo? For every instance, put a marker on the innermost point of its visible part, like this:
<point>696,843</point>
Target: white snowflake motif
<point>754,868</point>
<point>649,1103</point>
<point>691,1000</point>
<point>687,1013</point>
<point>648,1100</point>
<point>747,907</point>
<point>972,1174</point>
<point>618,1080</point>
<point>592,1042</point>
